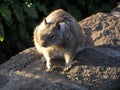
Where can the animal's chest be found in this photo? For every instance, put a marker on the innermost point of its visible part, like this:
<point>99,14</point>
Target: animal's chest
<point>55,53</point>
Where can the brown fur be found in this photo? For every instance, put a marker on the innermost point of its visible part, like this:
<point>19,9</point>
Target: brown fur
<point>52,42</point>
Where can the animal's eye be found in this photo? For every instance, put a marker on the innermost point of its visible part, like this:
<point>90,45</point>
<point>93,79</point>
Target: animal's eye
<point>58,27</point>
<point>52,36</point>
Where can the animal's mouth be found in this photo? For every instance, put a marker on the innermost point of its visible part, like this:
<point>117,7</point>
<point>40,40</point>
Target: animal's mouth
<point>45,45</point>
<point>54,44</point>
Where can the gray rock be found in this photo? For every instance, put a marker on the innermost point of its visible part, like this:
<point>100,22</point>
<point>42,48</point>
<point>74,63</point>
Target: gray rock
<point>26,71</point>
<point>102,33</point>
<point>116,11</point>
<point>91,70</point>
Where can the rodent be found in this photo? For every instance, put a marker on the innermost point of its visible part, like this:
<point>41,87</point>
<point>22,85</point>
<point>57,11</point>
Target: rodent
<point>59,34</point>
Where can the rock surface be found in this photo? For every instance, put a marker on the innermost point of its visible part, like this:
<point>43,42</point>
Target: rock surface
<point>91,70</point>
<point>102,32</point>
<point>96,68</point>
<point>26,71</point>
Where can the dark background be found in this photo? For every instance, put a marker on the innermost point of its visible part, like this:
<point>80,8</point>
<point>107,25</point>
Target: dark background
<point>18,19</point>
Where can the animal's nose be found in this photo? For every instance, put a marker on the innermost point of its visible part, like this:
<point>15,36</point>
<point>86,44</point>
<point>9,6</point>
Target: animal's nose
<point>43,44</point>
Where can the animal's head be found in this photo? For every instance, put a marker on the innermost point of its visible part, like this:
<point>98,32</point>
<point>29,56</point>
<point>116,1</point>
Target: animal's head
<point>51,33</point>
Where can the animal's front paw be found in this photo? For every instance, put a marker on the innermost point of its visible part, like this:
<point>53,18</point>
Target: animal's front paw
<point>48,70</point>
<point>68,65</point>
<point>48,65</point>
<point>67,68</point>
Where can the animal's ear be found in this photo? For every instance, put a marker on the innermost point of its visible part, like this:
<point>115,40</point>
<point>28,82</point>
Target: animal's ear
<point>45,21</point>
<point>57,24</point>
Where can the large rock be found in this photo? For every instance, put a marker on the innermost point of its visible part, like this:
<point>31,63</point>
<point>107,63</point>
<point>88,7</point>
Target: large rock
<point>27,71</point>
<point>94,68</point>
<point>102,32</point>
<point>91,71</point>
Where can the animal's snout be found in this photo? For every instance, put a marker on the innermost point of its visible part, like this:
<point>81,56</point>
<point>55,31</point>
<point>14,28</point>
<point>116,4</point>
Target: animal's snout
<point>43,43</point>
<point>44,40</point>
